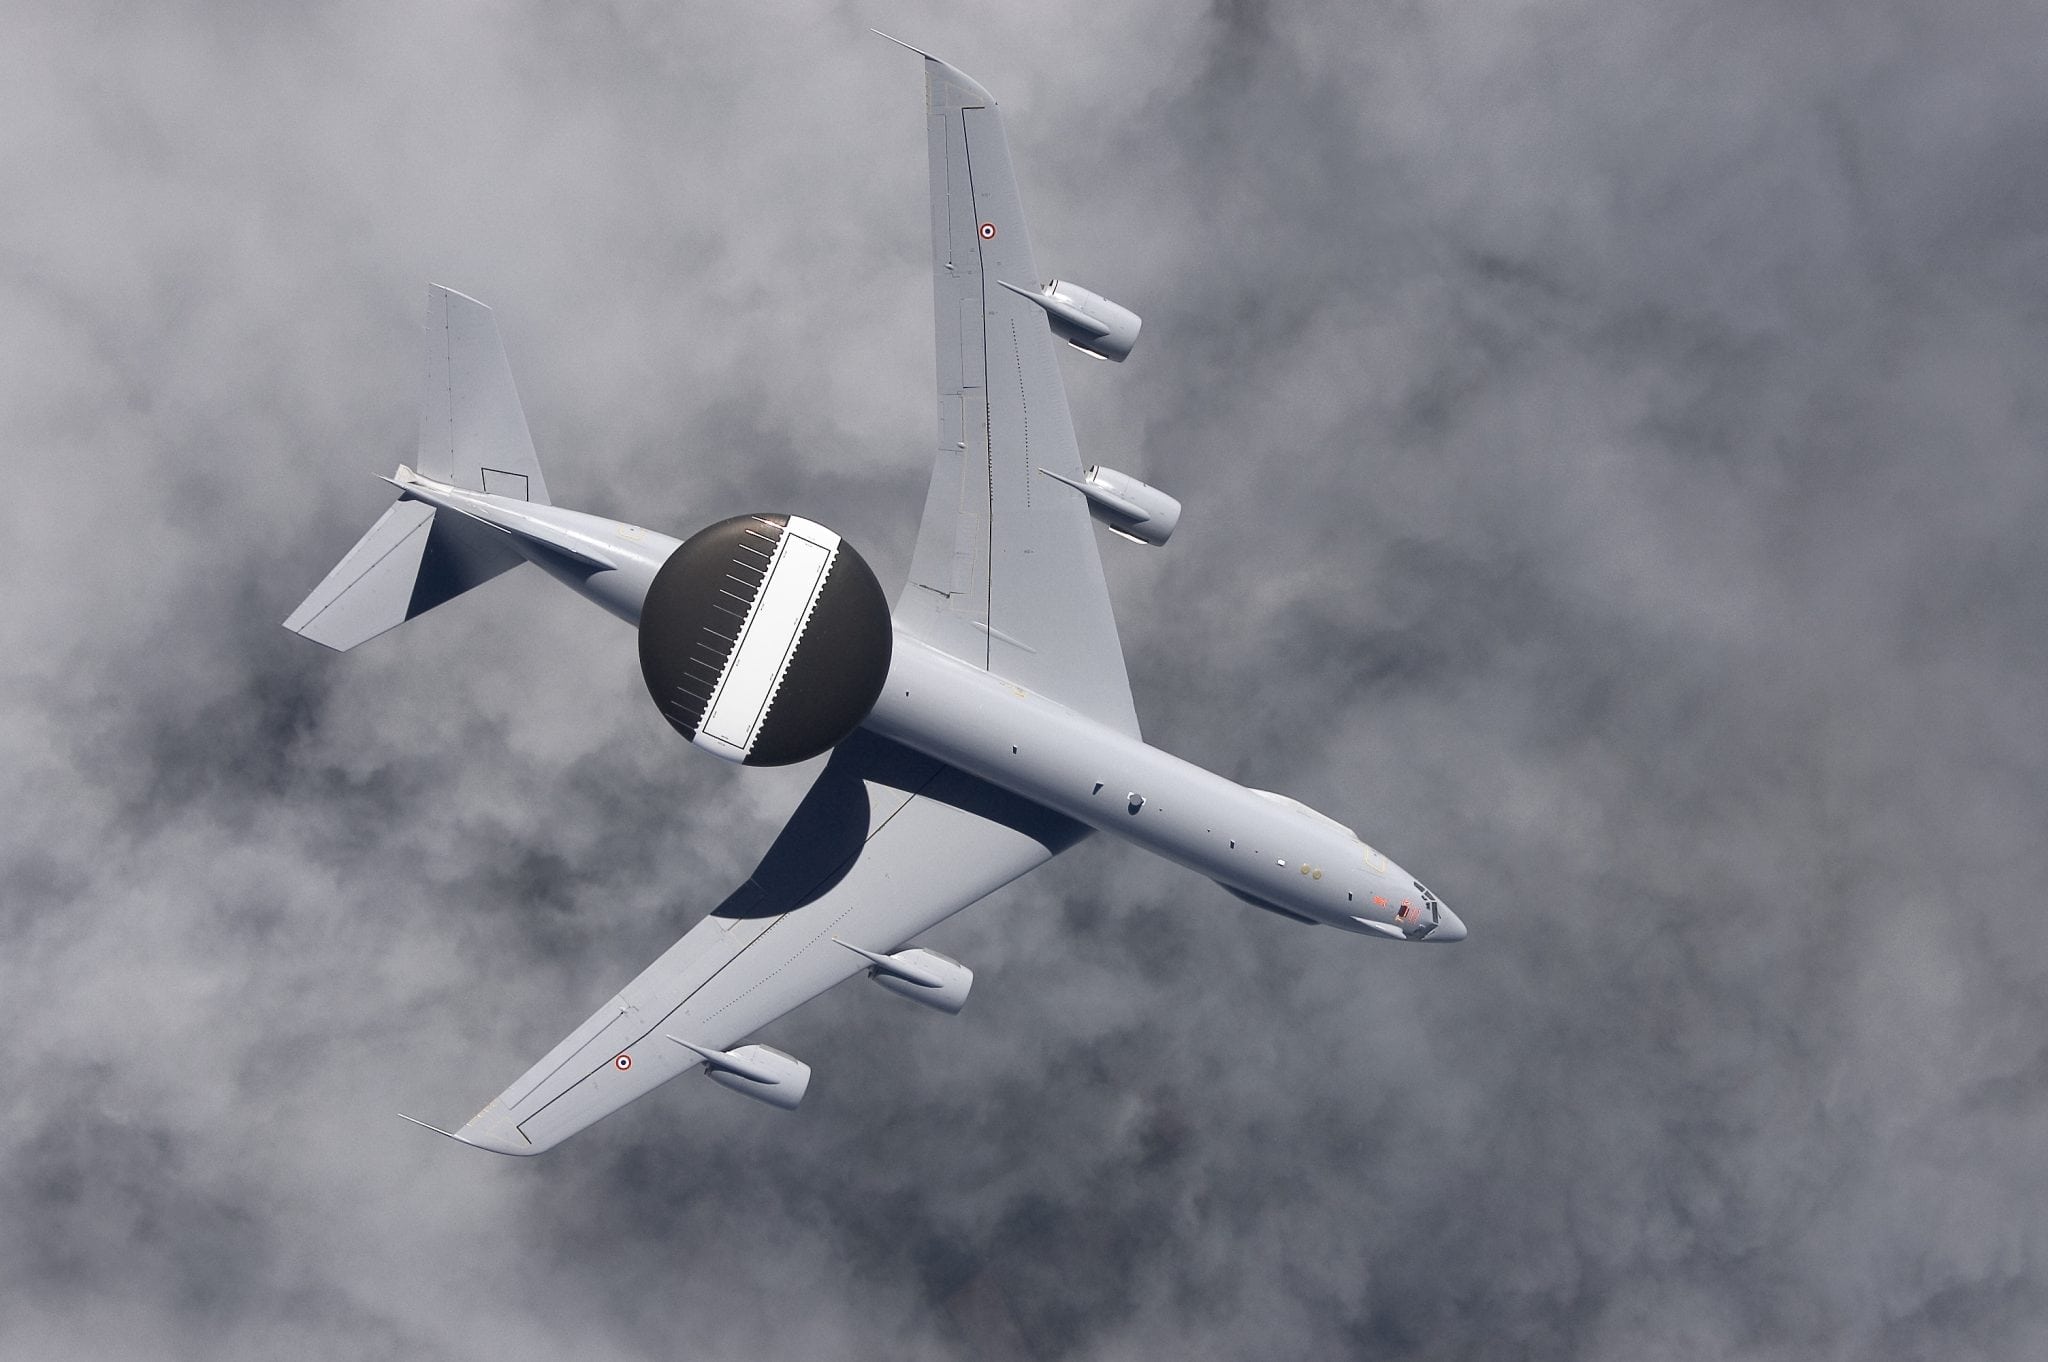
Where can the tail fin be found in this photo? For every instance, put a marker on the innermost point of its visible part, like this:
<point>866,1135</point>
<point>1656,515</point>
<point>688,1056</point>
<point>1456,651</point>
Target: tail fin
<point>472,435</point>
<point>472,432</point>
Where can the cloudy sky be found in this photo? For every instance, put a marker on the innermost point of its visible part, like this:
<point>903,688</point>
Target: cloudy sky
<point>1612,438</point>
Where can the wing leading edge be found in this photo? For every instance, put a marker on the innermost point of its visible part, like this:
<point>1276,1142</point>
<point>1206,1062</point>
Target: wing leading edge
<point>886,845</point>
<point>1006,573</point>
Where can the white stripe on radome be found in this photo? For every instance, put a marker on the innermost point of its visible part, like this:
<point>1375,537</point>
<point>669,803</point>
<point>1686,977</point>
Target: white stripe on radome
<point>774,625</point>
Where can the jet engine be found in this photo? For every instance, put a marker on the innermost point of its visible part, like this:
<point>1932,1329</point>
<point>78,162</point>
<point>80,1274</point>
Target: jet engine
<point>1136,510</point>
<point>765,639</point>
<point>1085,319</point>
<point>761,1072</point>
<point>937,981</point>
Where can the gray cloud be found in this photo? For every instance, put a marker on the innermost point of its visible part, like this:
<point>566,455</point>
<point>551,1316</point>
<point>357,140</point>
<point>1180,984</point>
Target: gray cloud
<point>1611,441</point>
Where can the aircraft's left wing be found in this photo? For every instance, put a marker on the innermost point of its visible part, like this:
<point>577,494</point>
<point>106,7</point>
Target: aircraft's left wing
<point>1006,574</point>
<point>886,844</point>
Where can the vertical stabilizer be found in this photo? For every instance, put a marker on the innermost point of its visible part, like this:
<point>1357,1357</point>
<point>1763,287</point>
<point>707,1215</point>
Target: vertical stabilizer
<point>472,431</point>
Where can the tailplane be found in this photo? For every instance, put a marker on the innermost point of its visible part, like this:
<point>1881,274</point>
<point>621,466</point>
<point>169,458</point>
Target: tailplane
<point>473,435</point>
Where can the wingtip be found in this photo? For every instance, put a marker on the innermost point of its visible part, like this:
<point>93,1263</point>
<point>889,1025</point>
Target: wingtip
<point>970,92</point>
<point>487,1139</point>
<point>428,1125</point>
<point>443,290</point>
<point>908,47</point>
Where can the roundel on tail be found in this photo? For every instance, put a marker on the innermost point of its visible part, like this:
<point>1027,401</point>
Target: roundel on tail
<point>765,639</point>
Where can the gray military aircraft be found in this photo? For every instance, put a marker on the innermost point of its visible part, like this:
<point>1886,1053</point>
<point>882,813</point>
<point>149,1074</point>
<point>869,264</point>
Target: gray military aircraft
<point>977,731</point>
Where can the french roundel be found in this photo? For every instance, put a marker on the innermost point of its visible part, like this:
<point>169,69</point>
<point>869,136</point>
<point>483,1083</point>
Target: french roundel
<point>988,231</point>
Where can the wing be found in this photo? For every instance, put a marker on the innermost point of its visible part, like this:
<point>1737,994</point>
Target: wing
<point>886,844</point>
<point>1006,573</point>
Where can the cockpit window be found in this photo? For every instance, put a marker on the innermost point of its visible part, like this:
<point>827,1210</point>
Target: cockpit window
<point>1428,918</point>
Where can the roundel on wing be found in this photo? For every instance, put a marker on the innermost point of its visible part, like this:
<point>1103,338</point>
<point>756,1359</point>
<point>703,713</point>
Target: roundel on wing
<point>765,639</point>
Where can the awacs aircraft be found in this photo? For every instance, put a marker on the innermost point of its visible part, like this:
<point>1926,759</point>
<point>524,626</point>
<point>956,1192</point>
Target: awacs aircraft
<point>981,728</point>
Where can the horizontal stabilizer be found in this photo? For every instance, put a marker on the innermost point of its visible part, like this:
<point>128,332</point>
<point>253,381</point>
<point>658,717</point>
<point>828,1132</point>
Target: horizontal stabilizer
<point>409,562</point>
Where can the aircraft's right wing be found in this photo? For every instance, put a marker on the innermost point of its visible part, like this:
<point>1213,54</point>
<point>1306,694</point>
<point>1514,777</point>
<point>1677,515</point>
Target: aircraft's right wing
<point>1006,574</point>
<point>887,844</point>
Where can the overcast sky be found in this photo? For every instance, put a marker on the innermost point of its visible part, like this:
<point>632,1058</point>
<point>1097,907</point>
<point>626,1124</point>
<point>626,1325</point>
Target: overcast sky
<point>1612,440</point>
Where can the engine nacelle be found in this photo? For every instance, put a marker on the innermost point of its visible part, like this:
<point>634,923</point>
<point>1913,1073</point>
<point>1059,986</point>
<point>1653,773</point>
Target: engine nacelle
<point>937,981</point>
<point>1085,319</point>
<point>761,1072</point>
<point>1136,510</point>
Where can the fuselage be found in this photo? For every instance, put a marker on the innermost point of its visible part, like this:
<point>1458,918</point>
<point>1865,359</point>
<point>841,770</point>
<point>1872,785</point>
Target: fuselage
<point>1268,849</point>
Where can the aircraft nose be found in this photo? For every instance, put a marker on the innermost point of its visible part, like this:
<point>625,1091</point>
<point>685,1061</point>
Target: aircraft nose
<point>1449,926</point>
